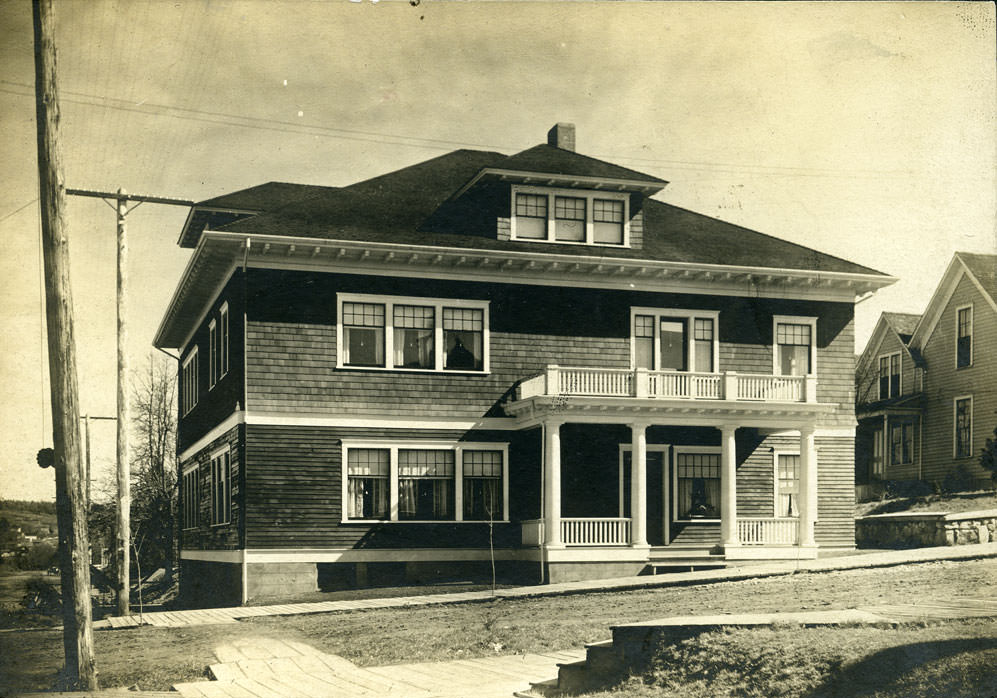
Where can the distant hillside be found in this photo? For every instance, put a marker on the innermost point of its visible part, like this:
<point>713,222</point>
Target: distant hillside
<point>33,518</point>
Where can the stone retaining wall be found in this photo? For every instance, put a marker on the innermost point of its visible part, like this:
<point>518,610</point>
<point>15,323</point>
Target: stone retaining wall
<point>925,529</point>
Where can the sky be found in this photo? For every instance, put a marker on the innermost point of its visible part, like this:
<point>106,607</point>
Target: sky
<point>864,130</point>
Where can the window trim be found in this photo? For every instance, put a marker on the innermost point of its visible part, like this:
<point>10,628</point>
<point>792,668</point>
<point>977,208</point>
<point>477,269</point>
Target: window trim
<point>212,354</point>
<point>438,304</point>
<point>775,479</point>
<point>191,507</point>
<point>215,455</point>
<point>223,340</point>
<point>189,382</point>
<point>589,195</point>
<point>972,327</point>
<point>878,441</point>
<point>678,450</point>
<point>395,445</point>
<point>899,423</point>
<point>900,380</point>
<point>794,320</point>
<point>690,316</point>
<point>955,426</point>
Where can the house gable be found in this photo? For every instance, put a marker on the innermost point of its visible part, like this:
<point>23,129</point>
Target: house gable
<point>979,270</point>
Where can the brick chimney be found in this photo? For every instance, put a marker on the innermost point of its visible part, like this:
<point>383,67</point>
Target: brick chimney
<point>562,136</point>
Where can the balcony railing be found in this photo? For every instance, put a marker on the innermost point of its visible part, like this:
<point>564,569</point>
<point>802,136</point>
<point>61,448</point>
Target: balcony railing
<point>755,531</point>
<point>672,385</point>
<point>595,531</point>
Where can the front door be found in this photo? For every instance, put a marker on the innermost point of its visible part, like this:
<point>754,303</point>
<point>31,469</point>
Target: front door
<point>657,490</point>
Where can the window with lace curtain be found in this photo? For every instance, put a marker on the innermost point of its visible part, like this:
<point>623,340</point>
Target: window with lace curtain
<point>425,484</point>
<point>367,478</point>
<point>697,485</point>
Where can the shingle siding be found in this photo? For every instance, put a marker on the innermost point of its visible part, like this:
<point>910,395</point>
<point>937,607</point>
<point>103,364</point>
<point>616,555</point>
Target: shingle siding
<point>228,536</point>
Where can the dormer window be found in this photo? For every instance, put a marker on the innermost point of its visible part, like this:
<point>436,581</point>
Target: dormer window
<point>570,216</point>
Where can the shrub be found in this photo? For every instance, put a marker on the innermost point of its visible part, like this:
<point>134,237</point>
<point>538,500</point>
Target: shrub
<point>958,480</point>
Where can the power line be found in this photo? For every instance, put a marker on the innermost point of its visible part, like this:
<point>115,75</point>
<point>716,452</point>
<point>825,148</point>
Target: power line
<point>260,123</point>
<point>18,210</point>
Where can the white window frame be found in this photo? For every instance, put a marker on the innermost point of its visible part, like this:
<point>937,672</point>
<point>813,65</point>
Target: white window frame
<point>972,328</point>
<point>191,507</point>
<point>794,320</point>
<point>589,195</point>
<point>189,383</point>
<point>215,517</point>
<point>775,480</point>
<point>879,441</point>
<point>900,367</point>
<point>212,354</point>
<point>678,450</point>
<point>690,316</point>
<point>394,445</point>
<point>223,340</point>
<point>898,422</point>
<point>389,337</point>
<point>955,426</point>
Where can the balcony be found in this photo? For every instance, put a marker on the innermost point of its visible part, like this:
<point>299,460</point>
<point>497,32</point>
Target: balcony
<point>556,381</point>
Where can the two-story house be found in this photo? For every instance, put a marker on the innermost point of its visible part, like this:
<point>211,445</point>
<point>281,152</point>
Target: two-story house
<point>926,385</point>
<point>522,354</point>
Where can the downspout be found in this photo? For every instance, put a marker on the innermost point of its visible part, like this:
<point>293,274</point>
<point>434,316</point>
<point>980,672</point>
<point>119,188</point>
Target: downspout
<point>245,396</point>
<point>543,514</point>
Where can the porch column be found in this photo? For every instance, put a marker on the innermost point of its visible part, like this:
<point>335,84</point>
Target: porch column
<point>808,486</point>
<point>728,485</point>
<point>552,485</point>
<point>638,485</point>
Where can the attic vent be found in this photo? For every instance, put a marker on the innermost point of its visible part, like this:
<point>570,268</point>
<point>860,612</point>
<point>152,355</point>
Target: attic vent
<point>562,136</point>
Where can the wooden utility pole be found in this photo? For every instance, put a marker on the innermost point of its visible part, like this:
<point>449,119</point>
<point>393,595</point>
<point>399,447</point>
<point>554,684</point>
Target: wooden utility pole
<point>123,537</point>
<point>123,528</point>
<point>80,670</point>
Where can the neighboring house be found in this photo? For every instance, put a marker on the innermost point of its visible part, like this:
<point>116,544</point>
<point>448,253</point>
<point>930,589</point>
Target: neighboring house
<point>926,385</point>
<point>525,353</point>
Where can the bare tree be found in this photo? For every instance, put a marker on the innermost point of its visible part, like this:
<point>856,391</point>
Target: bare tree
<point>154,487</point>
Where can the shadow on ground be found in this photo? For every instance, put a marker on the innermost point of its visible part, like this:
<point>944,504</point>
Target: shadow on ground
<point>916,670</point>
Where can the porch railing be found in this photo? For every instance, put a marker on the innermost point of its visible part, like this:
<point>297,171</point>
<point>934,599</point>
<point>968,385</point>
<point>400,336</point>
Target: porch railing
<point>671,385</point>
<point>597,531</point>
<point>768,531</point>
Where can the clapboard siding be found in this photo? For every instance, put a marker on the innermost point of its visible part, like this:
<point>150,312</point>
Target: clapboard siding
<point>215,403</point>
<point>294,491</point>
<point>835,525</point>
<point>223,537</point>
<point>291,338</point>
<point>867,379</point>
<point>943,382</point>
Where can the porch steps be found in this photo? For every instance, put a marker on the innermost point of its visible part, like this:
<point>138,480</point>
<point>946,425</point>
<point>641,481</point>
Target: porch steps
<point>684,558</point>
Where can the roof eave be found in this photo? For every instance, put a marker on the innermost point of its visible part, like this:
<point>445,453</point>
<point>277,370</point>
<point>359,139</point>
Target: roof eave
<point>644,186</point>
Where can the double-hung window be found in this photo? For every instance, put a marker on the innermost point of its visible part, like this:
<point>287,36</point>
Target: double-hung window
<point>425,484</point>
<point>878,462</point>
<point>191,498</point>
<point>223,348</point>
<point>425,481</point>
<point>674,340</point>
<point>212,354</point>
<point>963,437</point>
<point>573,216</point>
<point>423,334</point>
<point>964,337</point>
<point>221,487</point>
<point>482,485</point>
<point>188,382</point>
<point>787,484</point>
<point>697,480</point>
<point>889,376</point>
<point>795,346</point>
<point>367,478</point>
<point>902,442</point>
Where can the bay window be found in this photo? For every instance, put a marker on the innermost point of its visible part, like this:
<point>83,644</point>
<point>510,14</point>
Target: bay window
<point>424,481</point>
<point>412,334</point>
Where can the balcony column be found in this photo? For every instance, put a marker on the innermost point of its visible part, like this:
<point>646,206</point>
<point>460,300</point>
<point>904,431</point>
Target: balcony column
<point>638,485</point>
<point>808,486</point>
<point>552,484</point>
<point>728,485</point>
